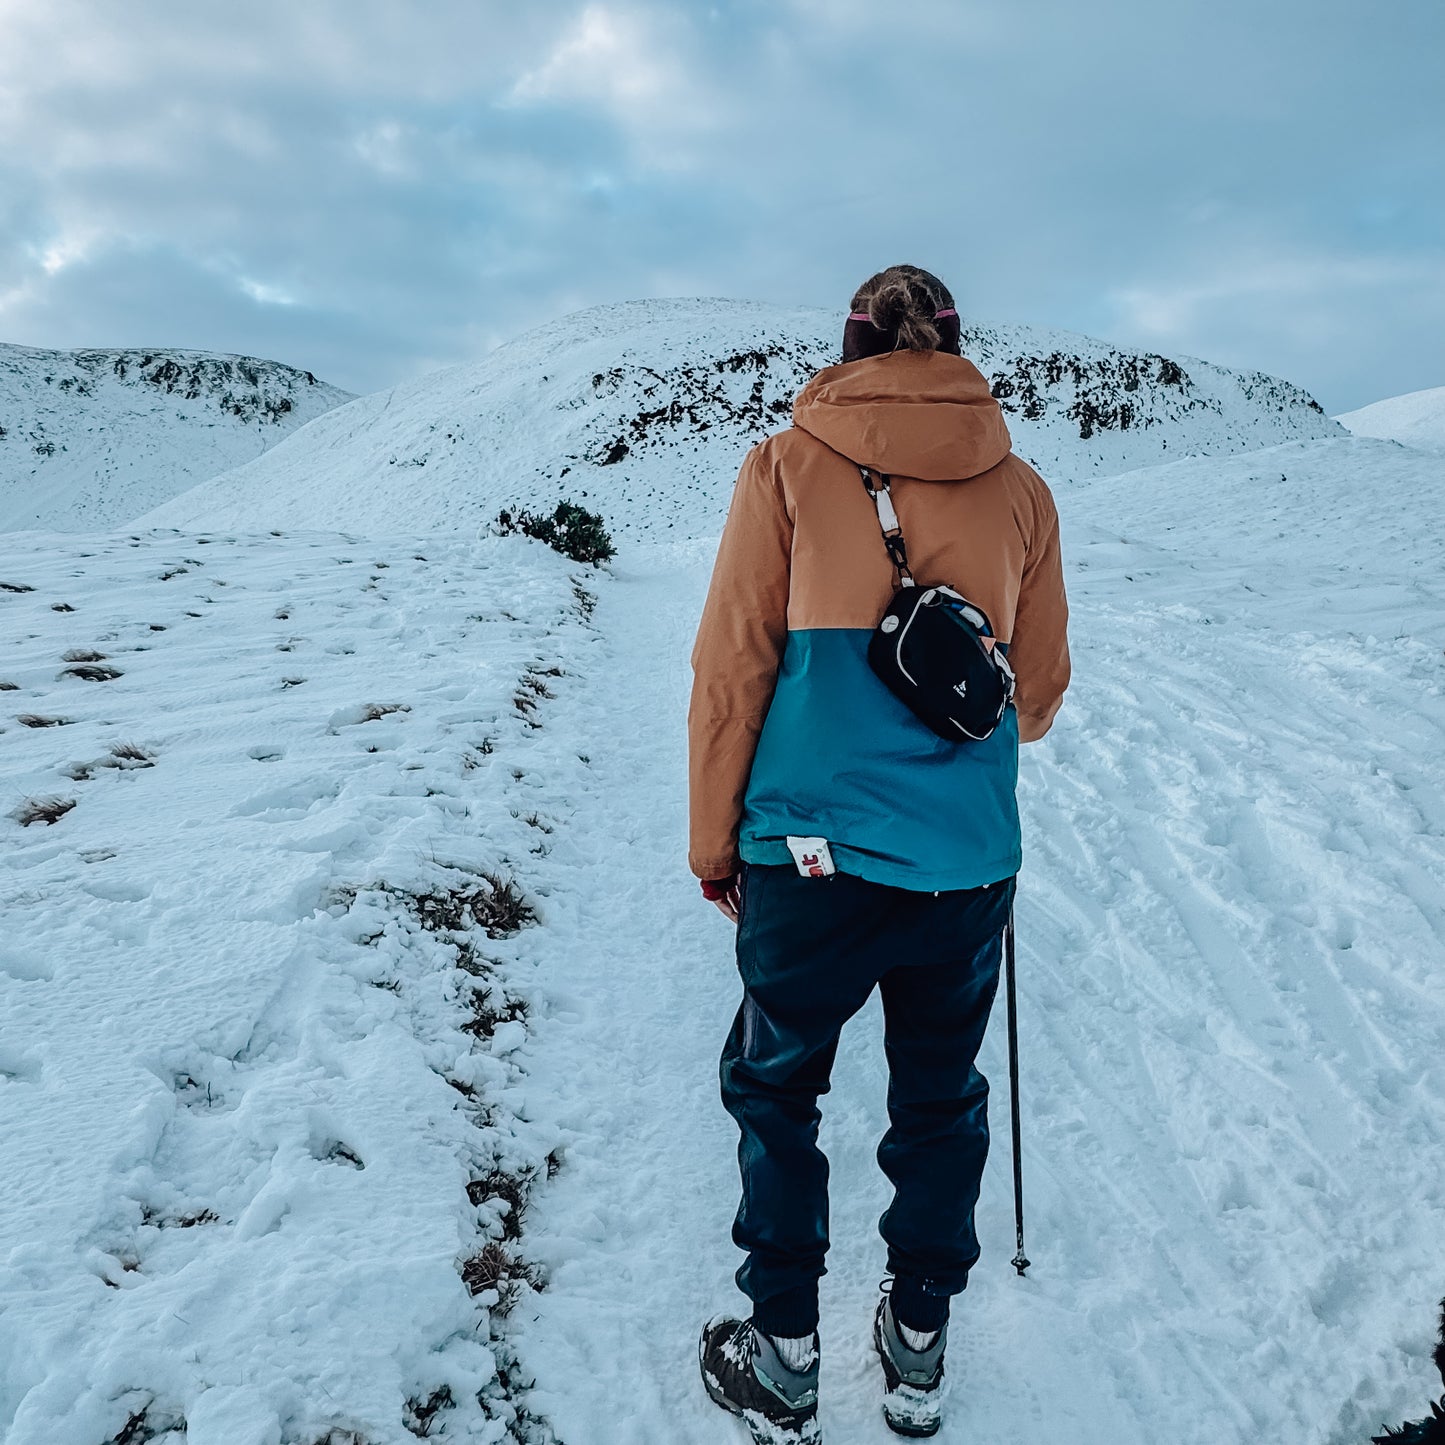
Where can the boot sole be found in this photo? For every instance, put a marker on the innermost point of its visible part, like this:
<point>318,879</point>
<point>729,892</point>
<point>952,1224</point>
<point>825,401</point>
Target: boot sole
<point>892,1382</point>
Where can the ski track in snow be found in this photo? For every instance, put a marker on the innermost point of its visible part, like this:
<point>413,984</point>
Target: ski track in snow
<point>1232,944</point>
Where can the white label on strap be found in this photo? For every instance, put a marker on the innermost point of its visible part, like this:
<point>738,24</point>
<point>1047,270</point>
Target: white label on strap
<point>883,499</point>
<point>812,855</point>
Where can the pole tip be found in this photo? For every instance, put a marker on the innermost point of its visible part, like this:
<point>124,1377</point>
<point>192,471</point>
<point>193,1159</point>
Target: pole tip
<point>1020,1262</point>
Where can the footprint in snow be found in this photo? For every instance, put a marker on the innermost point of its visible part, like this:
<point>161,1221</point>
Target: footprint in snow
<point>326,1148</point>
<point>199,1093</point>
<point>25,964</point>
<point>363,712</point>
<point>19,1067</point>
<point>117,890</point>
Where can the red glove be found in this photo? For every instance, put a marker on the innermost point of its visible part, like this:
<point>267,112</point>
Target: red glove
<point>714,889</point>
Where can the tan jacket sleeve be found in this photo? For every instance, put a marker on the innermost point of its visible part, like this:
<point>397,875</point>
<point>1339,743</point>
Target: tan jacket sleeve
<point>1039,648</point>
<point>735,661</point>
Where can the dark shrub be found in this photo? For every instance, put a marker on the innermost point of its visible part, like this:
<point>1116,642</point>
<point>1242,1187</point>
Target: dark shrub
<point>571,530</point>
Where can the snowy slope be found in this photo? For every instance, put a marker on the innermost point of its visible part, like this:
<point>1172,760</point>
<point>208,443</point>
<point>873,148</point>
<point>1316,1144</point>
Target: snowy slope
<point>643,411</point>
<point>258,1119</point>
<point>1417,419</point>
<point>258,1114</point>
<point>90,438</point>
<point>1232,925</point>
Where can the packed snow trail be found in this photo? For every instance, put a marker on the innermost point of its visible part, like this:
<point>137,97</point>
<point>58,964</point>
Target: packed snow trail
<point>1232,947</point>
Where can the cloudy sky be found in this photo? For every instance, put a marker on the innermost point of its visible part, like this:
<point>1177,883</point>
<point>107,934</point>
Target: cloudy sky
<point>372,188</point>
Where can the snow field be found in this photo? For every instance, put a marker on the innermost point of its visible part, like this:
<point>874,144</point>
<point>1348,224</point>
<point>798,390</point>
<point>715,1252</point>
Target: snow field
<point>261,1110</point>
<point>1232,998</point>
<point>1232,991</point>
<point>1416,419</point>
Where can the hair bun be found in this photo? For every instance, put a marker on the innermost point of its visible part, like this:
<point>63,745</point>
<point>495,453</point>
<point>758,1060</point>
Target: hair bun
<point>903,302</point>
<point>892,303</point>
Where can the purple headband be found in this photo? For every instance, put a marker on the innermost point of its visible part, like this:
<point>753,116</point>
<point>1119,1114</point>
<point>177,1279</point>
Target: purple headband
<point>937,315</point>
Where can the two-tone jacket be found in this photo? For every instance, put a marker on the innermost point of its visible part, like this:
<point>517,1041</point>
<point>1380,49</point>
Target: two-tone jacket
<point>789,729</point>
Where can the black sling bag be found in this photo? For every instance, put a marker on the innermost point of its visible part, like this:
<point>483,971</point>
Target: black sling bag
<point>929,646</point>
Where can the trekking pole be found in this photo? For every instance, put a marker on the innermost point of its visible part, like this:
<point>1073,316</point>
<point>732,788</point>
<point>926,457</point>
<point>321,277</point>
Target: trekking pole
<point>1020,1261</point>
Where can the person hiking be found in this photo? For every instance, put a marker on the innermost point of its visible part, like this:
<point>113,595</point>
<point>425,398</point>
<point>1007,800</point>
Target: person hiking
<point>852,845</point>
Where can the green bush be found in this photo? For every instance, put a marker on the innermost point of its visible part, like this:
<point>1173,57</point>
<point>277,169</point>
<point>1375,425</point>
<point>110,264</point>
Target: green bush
<point>571,530</point>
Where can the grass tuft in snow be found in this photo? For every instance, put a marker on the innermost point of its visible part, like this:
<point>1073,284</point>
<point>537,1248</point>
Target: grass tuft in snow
<point>92,672</point>
<point>472,758</point>
<point>42,810</point>
<point>150,1426</point>
<point>585,599</point>
<point>522,1426</point>
<point>188,1220</point>
<point>489,1011</point>
<point>495,904</point>
<point>124,756</point>
<point>514,1190</point>
<point>130,755</point>
<point>471,960</point>
<point>371,711</point>
<point>419,1415</point>
<point>496,1269</point>
<point>532,682</point>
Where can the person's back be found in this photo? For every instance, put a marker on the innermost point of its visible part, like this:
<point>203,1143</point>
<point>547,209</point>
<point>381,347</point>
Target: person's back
<point>794,742</point>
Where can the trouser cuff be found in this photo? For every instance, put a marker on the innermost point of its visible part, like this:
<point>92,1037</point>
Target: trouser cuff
<point>792,1313</point>
<point>917,1306</point>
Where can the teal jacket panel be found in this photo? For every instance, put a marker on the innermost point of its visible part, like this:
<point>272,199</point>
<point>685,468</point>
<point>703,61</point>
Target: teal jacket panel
<point>841,758</point>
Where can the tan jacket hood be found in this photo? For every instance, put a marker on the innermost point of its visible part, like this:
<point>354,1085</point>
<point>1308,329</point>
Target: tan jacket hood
<point>923,414</point>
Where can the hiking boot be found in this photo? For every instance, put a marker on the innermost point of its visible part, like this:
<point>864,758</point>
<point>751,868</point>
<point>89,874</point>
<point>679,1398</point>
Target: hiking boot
<point>913,1379</point>
<point>744,1373</point>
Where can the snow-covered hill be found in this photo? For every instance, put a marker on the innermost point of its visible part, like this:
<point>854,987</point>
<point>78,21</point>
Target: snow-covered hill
<point>643,410</point>
<point>1417,418</point>
<point>88,439</point>
<point>267,1116</point>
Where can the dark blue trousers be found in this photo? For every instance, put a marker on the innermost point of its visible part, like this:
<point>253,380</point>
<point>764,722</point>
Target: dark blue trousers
<point>810,952</point>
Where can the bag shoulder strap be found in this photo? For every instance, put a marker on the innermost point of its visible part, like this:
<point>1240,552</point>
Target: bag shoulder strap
<point>888,522</point>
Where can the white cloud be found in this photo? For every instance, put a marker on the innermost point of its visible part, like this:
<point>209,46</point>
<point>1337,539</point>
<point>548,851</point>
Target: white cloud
<point>631,67</point>
<point>383,147</point>
<point>266,294</point>
<point>603,56</point>
<point>1277,281</point>
<point>66,249</point>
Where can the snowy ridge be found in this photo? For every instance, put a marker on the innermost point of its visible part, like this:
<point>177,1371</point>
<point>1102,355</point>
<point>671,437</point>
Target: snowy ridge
<point>643,411</point>
<point>1417,419</point>
<point>90,438</point>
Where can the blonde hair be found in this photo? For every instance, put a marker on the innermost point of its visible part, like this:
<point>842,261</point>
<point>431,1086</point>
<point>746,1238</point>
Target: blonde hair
<point>903,300</point>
